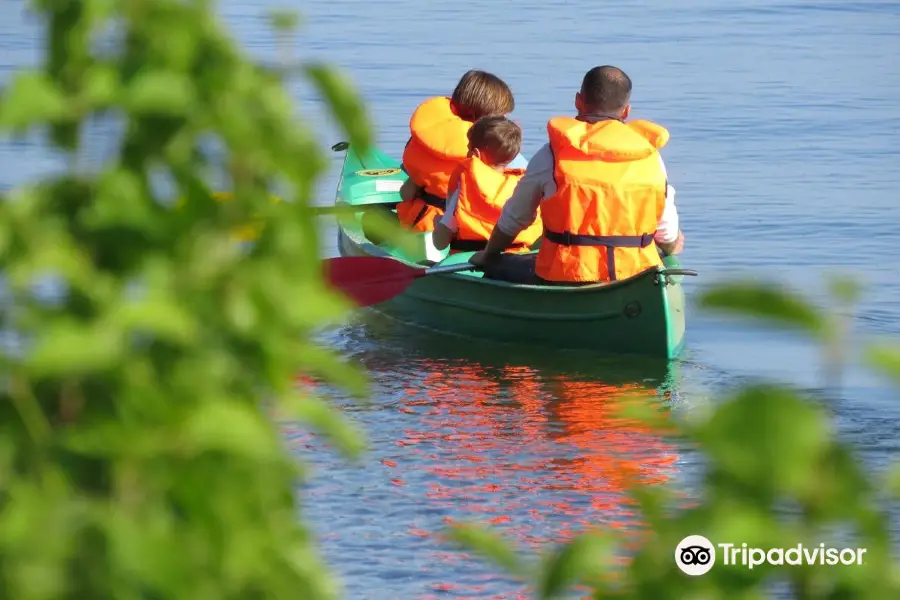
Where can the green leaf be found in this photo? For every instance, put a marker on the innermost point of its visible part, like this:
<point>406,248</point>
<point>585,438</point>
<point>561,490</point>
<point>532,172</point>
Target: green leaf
<point>767,301</point>
<point>31,98</point>
<point>892,481</point>
<point>70,348</point>
<point>38,532</point>
<point>158,315</point>
<point>488,544</point>
<point>641,410</point>
<point>885,357</point>
<point>284,21</point>
<point>577,561</point>
<point>161,93</point>
<point>652,501</point>
<point>235,429</point>
<point>845,289</point>
<point>767,439</point>
<point>344,103</point>
<point>178,45</point>
<point>323,362</point>
<point>53,253</point>
<point>145,547</point>
<point>242,313</point>
<point>119,202</point>
<point>101,85</point>
<point>315,412</point>
<point>382,228</point>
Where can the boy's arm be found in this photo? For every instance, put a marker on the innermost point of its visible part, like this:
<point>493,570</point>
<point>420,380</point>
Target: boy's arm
<point>445,227</point>
<point>441,236</point>
<point>408,190</point>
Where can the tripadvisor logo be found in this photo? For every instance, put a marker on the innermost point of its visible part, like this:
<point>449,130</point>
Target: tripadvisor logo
<point>696,555</point>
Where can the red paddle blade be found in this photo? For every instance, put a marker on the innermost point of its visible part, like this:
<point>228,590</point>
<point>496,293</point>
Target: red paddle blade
<point>369,279</point>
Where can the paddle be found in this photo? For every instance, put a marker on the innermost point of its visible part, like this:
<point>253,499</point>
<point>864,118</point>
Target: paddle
<point>372,279</point>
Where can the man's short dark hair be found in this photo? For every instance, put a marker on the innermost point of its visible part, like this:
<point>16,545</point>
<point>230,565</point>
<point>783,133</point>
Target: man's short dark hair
<point>606,89</point>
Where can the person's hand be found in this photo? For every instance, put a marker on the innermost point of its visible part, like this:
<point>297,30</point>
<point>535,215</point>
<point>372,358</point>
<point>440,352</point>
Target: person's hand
<point>674,247</point>
<point>409,190</point>
<point>478,259</point>
<point>679,243</point>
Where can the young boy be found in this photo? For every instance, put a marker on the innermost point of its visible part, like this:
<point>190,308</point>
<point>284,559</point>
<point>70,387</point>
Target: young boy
<point>480,187</point>
<point>438,143</point>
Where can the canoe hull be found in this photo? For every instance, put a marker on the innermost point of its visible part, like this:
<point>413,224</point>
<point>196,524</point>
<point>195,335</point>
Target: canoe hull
<point>643,315</point>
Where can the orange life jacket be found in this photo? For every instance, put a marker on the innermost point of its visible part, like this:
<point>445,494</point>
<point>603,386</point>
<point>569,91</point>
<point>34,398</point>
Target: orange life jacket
<point>611,192</point>
<point>437,146</point>
<point>482,193</point>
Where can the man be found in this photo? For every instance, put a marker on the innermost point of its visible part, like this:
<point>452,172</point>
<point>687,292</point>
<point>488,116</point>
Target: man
<point>602,189</point>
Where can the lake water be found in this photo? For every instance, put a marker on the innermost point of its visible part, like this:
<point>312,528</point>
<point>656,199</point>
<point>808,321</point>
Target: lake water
<point>783,118</point>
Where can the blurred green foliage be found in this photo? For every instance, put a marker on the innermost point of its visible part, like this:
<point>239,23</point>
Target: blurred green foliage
<point>135,461</point>
<point>776,476</point>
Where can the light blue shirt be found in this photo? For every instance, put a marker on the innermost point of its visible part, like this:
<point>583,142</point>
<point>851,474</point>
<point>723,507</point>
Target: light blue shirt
<point>519,162</point>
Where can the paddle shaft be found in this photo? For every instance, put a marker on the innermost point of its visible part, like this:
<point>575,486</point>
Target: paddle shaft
<point>443,269</point>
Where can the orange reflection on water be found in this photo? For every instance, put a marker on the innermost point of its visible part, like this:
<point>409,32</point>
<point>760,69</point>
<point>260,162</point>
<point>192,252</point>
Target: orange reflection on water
<point>613,452</point>
<point>545,456</point>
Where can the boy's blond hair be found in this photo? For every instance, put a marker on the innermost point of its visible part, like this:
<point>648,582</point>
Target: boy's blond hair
<point>481,94</point>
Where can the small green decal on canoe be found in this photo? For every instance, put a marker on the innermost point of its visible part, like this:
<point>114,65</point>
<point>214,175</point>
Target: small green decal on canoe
<point>377,172</point>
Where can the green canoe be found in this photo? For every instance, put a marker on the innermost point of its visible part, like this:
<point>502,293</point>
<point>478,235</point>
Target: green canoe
<point>642,315</point>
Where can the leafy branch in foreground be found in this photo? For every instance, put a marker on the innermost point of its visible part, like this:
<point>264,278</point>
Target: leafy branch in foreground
<point>776,476</point>
<point>135,461</point>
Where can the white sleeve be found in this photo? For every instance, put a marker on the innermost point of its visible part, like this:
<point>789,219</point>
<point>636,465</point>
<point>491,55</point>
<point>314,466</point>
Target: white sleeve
<point>521,210</point>
<point>449,218</point>
<point>668,226</point>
